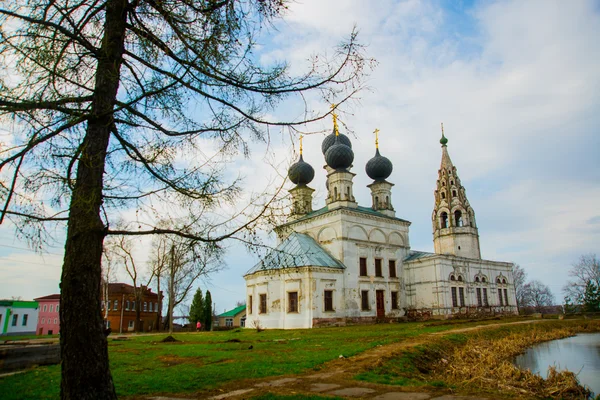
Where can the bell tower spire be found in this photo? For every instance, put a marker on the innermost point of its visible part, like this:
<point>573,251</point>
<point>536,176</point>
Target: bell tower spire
<point>453,219</point>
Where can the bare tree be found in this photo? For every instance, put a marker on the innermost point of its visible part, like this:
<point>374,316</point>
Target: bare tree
<point>519,278</point>
<point>586,269</point>
<point>108,275</point>
<point>537,295</point>
<point>99,94</point>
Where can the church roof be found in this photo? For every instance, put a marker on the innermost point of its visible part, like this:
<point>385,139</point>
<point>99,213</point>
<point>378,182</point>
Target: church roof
<point>360,209</point>
<point>297,250</point>
<point>413,255</point>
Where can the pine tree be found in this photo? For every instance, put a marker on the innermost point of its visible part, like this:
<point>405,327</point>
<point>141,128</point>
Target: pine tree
<point>208,311</point>
<point>197,308</point>
<point>591,297</point>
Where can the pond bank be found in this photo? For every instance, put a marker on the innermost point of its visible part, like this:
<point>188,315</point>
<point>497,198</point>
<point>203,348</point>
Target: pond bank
<point>480,362</point>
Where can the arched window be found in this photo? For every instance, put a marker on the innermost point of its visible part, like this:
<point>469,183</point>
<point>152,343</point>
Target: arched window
<point>454,193</point>
<point>452,182</point>
<point>387,201</point>
<point>476,279</point>
<point>376,201</point>
<point>443,195</point>
<point>347,192</point>
<point>504,281</point>
<point>458,218</point>
<point>498,280</point>
<point>335,193</point>
<point>116,305</point>
<point>452,278</point>
<point>483,279</point>
<point>444,220</point>
<point>460,278</point>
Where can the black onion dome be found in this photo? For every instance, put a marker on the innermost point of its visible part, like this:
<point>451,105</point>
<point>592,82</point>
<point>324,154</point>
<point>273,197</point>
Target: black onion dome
<point>330,140</point>
<point>379,168</point>
<point>301,173</point>
<point>339,155</point>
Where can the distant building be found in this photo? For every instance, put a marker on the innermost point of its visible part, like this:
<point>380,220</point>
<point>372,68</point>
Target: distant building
<point>18,317</point>
<point>48,321</point>
<point>120,306</point>
<point>233,318</point>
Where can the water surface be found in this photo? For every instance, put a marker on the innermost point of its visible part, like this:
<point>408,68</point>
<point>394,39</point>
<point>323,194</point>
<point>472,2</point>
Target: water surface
<point>579,354</point>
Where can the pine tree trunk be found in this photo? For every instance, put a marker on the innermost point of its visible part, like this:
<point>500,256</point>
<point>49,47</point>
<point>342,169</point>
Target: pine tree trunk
<point>84,350</point>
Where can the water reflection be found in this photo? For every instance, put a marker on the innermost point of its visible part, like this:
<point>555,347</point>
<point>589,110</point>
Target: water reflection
<point>579,354</point>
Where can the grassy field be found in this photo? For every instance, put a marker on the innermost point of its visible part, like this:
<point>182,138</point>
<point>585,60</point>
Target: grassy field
<point>202,361</point>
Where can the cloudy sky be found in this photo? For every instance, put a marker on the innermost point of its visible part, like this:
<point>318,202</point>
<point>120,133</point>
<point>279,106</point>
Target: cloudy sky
<point>517,85</point>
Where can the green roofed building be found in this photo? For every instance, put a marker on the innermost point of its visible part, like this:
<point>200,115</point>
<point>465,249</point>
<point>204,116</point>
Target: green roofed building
<point>233,318</point>
<point>18,317</point>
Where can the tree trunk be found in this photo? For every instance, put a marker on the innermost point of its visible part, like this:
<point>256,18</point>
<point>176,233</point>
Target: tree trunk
<point>138,308</point>
<point>84,350</point>
<point>171,289</point>
<point>159,311</point>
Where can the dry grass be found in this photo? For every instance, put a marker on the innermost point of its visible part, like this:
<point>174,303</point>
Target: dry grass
<point>485,364</point>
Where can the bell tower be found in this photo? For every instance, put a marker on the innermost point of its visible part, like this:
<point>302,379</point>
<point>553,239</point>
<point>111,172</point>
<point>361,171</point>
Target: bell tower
<point>454,227</point>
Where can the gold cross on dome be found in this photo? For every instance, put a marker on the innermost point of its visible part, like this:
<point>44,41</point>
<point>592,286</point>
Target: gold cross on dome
<point>335,125</point>
<point>301,144</point>
<point>376,132</point>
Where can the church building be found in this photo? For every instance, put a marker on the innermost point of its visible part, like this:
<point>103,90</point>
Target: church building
<point>346,263</point>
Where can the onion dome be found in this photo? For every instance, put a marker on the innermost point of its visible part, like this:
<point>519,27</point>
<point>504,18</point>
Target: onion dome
<point>379,168</point>
<point>339,155</point>
<point>301,173</point>
<point>443,140</point>
<point>330,140</point>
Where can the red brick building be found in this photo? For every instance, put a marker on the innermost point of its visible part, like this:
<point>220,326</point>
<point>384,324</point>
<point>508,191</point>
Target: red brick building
<point>119,310</point>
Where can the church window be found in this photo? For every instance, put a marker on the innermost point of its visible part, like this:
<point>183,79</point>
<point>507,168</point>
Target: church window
<point>498,280</point>
<point>504,281</point>
<point>250,304</point>
<point>483,279</point>
<point>363,266</point>
<point>460,278</point>
<point>479,302</point>
<point>347,192</point>
<point>485,297</point>
<point>263,304</point>
<point>387,201</point>
<point>328,296</point>
<point>443,183</point>
<point>335,193</point>
<point>458,218</point>
<point>376,202</point>
<point>500,297</point>
<point>476,279</point>
<point>452,278</point>
<point>394,300</point>
<point>461,295</point>
<point>454,193</point>
<point>378,271</point>
<point>506,296</point>
<point>452,182</point>
<point>454,298</point>
<point>444,220</point>
<point>364,297</point>
<point>443,195</point>
<point>392,264</point>
<point>292,302</point>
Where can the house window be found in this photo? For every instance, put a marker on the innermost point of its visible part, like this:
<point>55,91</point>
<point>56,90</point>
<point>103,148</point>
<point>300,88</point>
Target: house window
<point>15,318</point>
<point>229,322</point>
<point>506,296</point>
<point>130,324</point>
<point>378,271</point>
<point>116,305</point>
<point>133,305</point>
<point>485,298</point>
<point>364,295</point>
<point>25,316</point>
<point>394,300</point>
<point>479,302</point>
<point>43,320</point>
<point>293,302</point>
<point>392,265</point>
<point>461,296</point>
<point>55,321</point>
<point>363,266</point>
<point>51,308</point>
<point>45,307</point>
<point>249,304</point>
<point>127,305</point>
<point>328,296</point>
<point>263,304</point>
<point>454,298</point>
<point>145,307</point>
<point>57,308</point>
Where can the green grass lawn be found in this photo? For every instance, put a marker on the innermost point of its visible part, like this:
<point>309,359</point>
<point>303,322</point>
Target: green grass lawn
<point>202,361</point>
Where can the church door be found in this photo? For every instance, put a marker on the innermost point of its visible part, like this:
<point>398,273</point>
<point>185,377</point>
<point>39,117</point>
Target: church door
<point>380,304</point>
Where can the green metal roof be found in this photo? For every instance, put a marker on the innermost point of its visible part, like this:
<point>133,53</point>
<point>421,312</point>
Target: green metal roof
<point>413,255</point>
<point>297,250</point>
<point>234,312</point>
<point>19,303</point>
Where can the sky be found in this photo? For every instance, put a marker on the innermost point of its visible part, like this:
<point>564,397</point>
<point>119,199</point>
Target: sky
<point>517,86</point>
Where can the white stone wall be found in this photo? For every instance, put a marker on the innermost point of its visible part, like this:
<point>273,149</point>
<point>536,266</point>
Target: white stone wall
<point>7,328</point>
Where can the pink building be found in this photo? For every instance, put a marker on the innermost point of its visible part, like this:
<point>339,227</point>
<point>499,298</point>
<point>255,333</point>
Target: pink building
<point>48,319</point>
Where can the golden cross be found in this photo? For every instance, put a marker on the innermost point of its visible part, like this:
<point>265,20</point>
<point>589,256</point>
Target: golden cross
<point>301,144</point>
<point>442,129</point>
<point>376,132</point>
<point>335,125</point>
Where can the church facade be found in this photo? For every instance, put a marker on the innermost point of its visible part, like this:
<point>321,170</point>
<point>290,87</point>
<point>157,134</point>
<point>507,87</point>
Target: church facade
<point>345,263</point>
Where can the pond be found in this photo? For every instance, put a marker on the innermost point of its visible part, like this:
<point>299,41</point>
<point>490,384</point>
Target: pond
<point>579,354</point>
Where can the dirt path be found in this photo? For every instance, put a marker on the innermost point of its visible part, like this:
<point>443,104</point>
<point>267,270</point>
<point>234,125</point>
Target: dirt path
<point>335,377</point>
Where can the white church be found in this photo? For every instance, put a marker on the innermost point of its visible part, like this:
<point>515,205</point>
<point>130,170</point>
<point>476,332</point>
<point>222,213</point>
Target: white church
<point>347,264</point>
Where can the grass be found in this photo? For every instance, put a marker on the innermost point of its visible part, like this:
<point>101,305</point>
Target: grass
<point>202,361</point>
